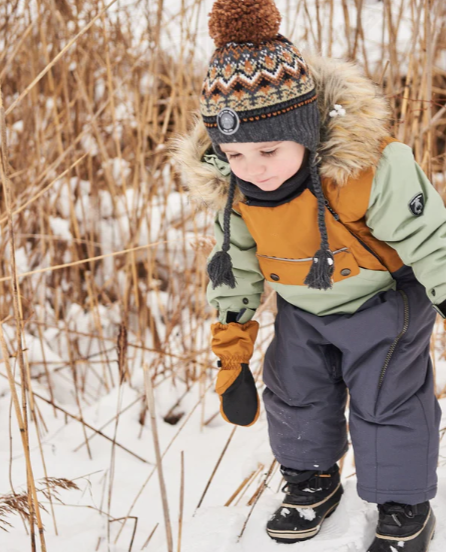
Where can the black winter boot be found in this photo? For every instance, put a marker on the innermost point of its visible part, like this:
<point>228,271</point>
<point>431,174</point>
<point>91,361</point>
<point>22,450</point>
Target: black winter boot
<point>311,496</point>
<point>403,527</point>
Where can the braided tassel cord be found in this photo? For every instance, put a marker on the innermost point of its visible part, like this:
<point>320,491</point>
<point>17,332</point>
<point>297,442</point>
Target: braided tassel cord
<point>322,268</point>
<point>220,267</point>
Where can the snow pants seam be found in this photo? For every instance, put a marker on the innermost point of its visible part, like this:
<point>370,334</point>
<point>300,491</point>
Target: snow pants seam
<point>428,432</point>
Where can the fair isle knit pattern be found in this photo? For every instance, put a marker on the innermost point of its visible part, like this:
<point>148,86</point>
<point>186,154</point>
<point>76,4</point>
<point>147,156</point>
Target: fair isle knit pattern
<point>258,82</point>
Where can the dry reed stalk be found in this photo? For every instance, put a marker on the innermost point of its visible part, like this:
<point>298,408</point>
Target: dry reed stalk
<point>330,31</point>
<point>88,426</point>
<point>242,485</point>
<point>104,153</point>
<point>47,372</point>
<point>146,543</point>
<point>211,418</point>
<point>34,410</point>
<point>216,467</point>
<point>311,30</point>
<point>264,483</point>
<point>33,506</point>
<point>17,503</point>
<point>162,485</point>
<point>180,515</point>
<point>111,420</point>
<point>16,49</point>
<point>141,490</point>
<point>130,548</point>
<point>75,141</point>
<point>401,130</point>
<point>189,358</point>
<point>249,484</point>
<point>41,192</point>
<point>81,261</point>
<point>74,371</point>
<point>23,420</point>
<point>348,26</point>
<point>260,492</point>
<point>112,463</point>
<point>93,303</point>
<point>56,58</point>
<point>60,132</point>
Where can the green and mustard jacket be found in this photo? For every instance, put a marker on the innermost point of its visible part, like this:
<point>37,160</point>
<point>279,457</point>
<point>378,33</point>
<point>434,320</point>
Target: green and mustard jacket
<point>382,210</point>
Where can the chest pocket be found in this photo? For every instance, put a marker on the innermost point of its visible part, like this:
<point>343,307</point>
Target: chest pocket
<point>287,237</point>
<point>294,271</point>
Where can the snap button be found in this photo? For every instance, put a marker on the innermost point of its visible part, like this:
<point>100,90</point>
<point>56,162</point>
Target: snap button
<point>433,292</point>
<point>275,277</point>
<point>245,301</point>
<point>345,272</point>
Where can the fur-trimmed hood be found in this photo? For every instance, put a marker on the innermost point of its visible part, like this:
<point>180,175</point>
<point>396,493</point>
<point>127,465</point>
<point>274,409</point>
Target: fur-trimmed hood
<point>348,144</point>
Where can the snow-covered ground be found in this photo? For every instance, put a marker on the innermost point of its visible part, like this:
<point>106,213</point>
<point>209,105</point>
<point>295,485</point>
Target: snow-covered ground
<point>82,515</point>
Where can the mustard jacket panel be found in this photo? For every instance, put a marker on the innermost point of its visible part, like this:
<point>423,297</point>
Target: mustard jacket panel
<point>418,240</point>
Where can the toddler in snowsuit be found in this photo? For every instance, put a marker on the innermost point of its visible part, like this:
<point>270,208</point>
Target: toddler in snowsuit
<point>316,198</point>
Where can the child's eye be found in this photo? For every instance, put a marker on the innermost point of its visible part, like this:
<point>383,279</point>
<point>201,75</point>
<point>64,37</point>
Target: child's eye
<point>265,153</point>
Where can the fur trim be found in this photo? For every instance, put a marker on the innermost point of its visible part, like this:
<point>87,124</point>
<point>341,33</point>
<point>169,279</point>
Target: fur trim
<point>206,186</point>
<point>351,143</point>
<point>348,145</point>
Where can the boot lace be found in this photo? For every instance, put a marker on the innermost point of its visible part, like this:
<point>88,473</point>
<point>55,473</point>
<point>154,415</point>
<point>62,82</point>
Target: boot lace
<point>304,488</point>
<point>393,509</point>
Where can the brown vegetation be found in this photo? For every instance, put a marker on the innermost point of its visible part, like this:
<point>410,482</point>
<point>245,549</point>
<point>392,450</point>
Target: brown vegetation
<point>83,131</point>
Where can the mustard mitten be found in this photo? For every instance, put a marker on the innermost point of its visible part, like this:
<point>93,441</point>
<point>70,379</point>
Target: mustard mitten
<point>233,343</point>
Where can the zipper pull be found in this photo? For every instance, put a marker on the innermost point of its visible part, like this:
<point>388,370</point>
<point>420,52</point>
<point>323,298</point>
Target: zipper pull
<point>335,215</point>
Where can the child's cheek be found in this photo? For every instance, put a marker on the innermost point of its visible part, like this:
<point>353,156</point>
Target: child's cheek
<point>237,170</point>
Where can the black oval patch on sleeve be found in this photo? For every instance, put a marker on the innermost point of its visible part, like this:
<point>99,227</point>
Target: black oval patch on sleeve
<point>417,204</point>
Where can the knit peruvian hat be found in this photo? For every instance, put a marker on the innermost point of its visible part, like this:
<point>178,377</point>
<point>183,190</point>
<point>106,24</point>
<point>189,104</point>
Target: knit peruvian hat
<point>259,89</point>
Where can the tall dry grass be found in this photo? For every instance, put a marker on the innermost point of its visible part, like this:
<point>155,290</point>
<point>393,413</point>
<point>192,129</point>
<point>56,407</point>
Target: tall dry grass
<point>91,101</point>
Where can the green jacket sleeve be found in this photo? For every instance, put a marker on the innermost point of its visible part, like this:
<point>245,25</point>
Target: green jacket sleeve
<point>407,213</point>
<point>250,281</point>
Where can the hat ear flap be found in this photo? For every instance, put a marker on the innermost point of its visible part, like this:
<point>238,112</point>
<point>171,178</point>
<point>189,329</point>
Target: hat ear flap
<point>219,152</point>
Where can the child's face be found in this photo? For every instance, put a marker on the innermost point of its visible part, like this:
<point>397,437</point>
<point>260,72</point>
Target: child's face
<point>264,164</point>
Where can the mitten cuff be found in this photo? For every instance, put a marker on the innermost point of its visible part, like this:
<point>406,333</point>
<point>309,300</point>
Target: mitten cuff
<point>233,343</point>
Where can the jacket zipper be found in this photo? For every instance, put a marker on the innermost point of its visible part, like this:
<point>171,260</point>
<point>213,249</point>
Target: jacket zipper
<point>297,260</point>
<point>397,339</point>
<point>366,247</point>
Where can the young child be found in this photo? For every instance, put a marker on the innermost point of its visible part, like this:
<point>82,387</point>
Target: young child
<point>314,197</point>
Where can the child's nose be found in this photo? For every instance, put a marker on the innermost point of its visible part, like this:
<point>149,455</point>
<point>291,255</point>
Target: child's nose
<point>255,169</point>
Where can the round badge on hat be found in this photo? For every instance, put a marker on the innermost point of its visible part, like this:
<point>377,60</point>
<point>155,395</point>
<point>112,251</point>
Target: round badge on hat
<point>228,121</point>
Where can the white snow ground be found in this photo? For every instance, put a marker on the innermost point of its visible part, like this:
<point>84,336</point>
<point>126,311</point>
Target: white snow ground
<point>214,527</point>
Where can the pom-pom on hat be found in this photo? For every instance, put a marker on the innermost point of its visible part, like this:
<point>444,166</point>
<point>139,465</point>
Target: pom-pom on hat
<point>244,21</point>
<point>259,89</point>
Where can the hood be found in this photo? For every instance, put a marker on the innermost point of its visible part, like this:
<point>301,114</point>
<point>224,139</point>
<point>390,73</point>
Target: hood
<point>348,144</point>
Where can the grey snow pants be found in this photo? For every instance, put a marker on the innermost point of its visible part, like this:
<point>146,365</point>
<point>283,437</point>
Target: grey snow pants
<point>381,355</point>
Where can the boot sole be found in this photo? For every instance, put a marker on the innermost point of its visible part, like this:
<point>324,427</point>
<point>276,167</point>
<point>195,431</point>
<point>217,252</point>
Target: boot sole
<point>289,537</point>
